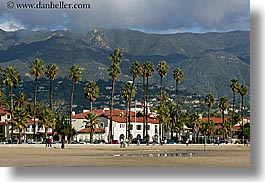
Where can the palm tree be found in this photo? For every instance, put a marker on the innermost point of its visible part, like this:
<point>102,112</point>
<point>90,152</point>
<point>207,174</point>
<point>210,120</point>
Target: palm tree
<point>177,76</point>
<point>164,104</point>
<point>92,121</point>
<point>91,92</point>
<point>162,69</point>
<point>75,74</point>
<point>135,70</point>
<point>11,78</point>
<point>196,122</point>
<point>51,73</point>
<point>37,70</point>
<point>243,92</point>
<point>227,127</point>
<point>223,105</point>
<point>20,120</point>
<point>208,128</point>
<point>116,57</point>
<point>173,117</point>
<point>127,91</point>
<point>234,84</point>
<point>114,71</point>
<point>46,120</point>
<point>20,101</point>
<point>148,68</point>
<point>164,118</point>
<point>209,101</point>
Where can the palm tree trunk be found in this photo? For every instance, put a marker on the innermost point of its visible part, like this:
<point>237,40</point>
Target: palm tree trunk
<point>160,122</point>
<point>71,110</point>
<point>144,89</point>
<point>50,98</point>
<point>91,134</point>
<point>146,113</point>
<point>130,103</point>
<point>90,105</point>
<point>242,120</point>
<point>208,114</point>
<point>233,119</point>
<point>126,114</point>
<point>223,120</point>
<point>35,101</point>
<point>11,110</point>
<point>111,108</point>
<point>20,135</point>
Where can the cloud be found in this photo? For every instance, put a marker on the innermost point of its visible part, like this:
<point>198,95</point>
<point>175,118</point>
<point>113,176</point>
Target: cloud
<point>161,16</point>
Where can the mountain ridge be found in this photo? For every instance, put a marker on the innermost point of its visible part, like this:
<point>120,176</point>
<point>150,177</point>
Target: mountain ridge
<point>207,59</point>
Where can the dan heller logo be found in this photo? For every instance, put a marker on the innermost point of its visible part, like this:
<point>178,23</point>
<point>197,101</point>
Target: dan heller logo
<point>50,5</point>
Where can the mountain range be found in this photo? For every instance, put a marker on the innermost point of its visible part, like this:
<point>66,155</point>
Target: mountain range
<point>209,60</point>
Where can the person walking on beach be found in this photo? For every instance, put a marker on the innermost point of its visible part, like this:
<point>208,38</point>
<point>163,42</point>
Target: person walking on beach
<point>50,141</point>
<point>47,141</point>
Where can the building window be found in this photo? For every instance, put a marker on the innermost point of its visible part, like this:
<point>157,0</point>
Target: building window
<point>148,127</point>
<point>8,116</point>
<point>122,125</point>
<point>138,127</point>
<point>130,126</point>
<point>102,125</point>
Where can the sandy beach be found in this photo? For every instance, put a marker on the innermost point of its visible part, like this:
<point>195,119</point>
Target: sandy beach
<point>104,155</point>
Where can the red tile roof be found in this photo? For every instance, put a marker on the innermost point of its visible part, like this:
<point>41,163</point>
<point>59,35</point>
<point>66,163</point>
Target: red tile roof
<point>118,116</point>
<point>215,120</point>
<point>84,114</point>
<point>87,130</point>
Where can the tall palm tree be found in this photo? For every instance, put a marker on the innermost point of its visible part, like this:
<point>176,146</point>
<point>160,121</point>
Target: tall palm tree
<point>37,70</point>
<point>162,69</point>
<point>177,76</point>
<point>243,90</point>
<point>92,121</point>
<point>51,72</point>
<point>223,105</point>
<point>11,78</point>
<point>135,70</point>
<point>148,68</point>
<point>20,120</point>
<point>234,84</point>
<point>127,91</point>
<point>143,74</point>
<point>114,71</point>
<point>91,92</point>
<point>209,101</point>
<point>75,75</point>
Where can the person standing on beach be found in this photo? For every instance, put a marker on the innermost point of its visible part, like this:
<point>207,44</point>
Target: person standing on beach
<point>50,141</point>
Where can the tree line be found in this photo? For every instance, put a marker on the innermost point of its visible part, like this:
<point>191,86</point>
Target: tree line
<point>168,112</point>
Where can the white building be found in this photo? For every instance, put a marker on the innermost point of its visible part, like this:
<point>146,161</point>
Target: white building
<point>118,125</point>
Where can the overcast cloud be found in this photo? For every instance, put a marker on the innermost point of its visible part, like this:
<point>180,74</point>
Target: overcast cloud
<point>159,16</point>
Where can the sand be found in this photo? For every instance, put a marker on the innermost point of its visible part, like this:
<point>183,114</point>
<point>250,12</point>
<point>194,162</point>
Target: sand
<point>105,155</point>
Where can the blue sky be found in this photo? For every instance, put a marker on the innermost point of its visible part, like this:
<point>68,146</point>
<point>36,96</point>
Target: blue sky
<point>153,16</point>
